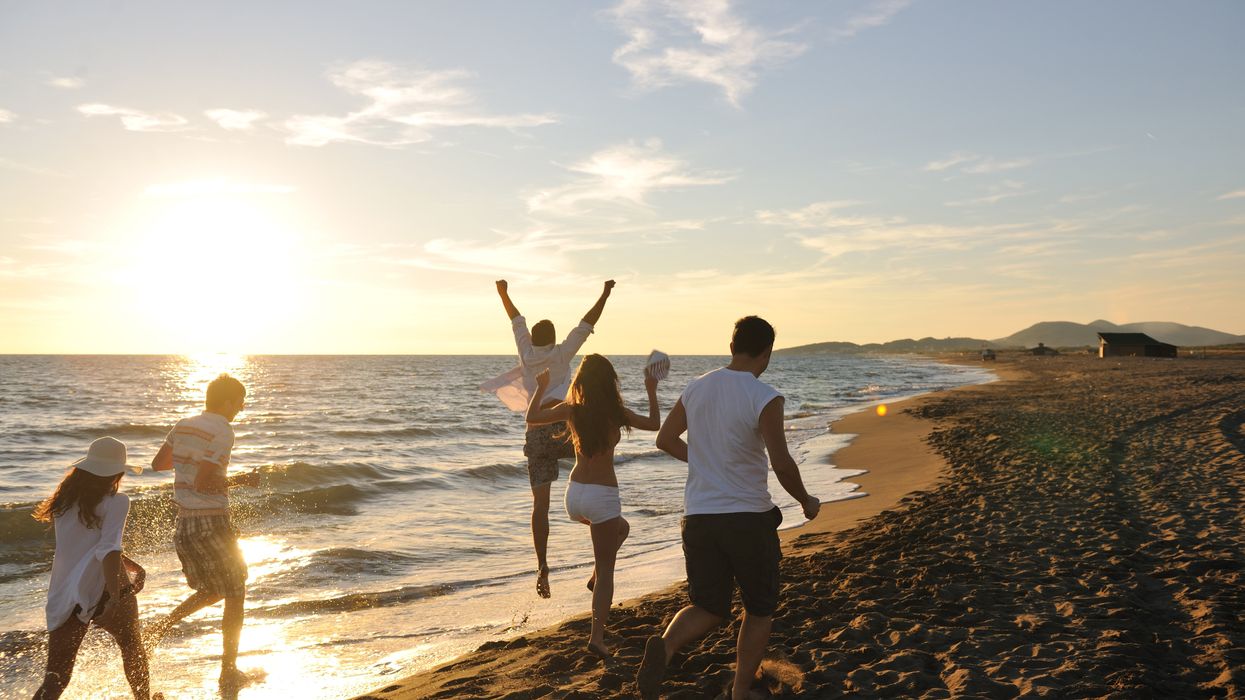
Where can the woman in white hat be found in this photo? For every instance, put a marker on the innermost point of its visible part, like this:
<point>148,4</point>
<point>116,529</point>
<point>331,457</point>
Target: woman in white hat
<point>91,581</point>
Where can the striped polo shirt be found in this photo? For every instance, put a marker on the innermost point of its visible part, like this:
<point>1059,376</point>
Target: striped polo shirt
<point>205,439</point>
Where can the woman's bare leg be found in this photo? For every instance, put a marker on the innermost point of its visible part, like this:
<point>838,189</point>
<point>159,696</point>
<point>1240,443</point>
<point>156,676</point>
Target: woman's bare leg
<point>63,644</point>
<point>126,631</point>
<point>607,537</point>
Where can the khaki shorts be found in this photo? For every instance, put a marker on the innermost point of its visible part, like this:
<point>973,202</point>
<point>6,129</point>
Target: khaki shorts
<point>207,546</point>
<point>543,449</point>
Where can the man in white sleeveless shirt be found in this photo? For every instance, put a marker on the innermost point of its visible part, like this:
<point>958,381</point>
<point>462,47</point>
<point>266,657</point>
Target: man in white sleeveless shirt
<point>730,524</point>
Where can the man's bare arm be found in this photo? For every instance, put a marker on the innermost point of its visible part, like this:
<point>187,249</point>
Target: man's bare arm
<point>669,438</point>
<point>163,461</point>
<point>503,290</point>
<point>785,468</point>
<point>594,314</point>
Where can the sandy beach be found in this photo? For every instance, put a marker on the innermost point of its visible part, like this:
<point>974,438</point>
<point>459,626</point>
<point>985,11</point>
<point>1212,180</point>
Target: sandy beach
<point>1073,530</point>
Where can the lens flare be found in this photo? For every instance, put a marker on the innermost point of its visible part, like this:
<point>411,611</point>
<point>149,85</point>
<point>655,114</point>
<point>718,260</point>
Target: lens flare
<point>882,409</point>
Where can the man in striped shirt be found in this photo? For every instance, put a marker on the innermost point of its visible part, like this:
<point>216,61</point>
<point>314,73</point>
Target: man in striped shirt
<point>197,449</point>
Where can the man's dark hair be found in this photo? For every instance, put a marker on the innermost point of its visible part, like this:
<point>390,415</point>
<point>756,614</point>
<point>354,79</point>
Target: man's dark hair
<point>753,336</point>
<point>222,389</point>
<point>543,333</point>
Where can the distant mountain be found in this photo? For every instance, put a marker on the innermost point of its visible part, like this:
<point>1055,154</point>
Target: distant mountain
<point>1062,334</point>
<point>898,346</point>
<point>1055,334</point>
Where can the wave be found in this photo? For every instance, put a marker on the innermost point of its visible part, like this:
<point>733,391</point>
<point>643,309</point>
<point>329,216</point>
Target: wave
<point>354,601</point>
<point>418,431</point>
<point>117,430</point>
<point>493,472</point>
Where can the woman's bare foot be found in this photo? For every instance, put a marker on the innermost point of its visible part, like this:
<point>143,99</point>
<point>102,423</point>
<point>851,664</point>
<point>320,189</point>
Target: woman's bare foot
<point>599,650</point>
<point>542,582</point>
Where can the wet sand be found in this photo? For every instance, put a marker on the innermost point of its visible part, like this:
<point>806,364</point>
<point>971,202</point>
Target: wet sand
<point>1074,530</point>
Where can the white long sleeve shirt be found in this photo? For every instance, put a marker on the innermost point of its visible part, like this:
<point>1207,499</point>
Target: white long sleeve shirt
<point>78,565</point>
<point>515,387</point>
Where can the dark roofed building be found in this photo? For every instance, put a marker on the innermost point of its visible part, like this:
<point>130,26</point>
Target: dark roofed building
<point>1132,345</point>
<point>1041,350</point>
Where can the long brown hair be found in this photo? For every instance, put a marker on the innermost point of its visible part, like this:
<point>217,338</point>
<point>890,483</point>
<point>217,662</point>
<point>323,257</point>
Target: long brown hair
<point>596,405</point>
<point>82,488</point>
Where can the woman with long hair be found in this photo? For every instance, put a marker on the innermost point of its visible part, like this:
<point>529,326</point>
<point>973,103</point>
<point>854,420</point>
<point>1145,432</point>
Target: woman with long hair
<point>92,582</point>
<point>595,417</point>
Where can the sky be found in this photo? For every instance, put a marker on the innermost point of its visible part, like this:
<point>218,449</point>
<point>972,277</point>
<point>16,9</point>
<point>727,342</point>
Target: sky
<point>316,177</point>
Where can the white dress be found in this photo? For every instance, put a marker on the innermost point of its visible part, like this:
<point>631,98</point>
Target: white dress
<point>78,565</point>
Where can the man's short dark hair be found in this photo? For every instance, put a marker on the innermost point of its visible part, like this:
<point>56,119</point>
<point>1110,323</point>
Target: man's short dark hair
<point>753,336</point>
<point>222,389</point>
<point>543,333</point>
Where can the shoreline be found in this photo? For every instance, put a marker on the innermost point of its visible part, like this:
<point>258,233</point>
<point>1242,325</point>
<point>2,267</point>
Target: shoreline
<point>896,461</point>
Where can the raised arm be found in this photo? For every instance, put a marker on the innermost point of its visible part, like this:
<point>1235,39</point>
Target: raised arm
<point>553,414</point>
<point>653,420</point>
<point>503,290</point>
<point>670,437</point>
<point>785,468</point>
<point>594,314</point>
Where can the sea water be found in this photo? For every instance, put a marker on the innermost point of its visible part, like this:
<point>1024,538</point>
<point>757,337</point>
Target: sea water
<point>389,530</point>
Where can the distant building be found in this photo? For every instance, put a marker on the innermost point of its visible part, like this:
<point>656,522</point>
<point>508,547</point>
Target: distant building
<point>1132,345</point>
<point>1041,350</point>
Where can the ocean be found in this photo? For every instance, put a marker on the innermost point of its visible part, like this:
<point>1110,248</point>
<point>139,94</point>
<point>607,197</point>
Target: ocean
<point>389,531</point>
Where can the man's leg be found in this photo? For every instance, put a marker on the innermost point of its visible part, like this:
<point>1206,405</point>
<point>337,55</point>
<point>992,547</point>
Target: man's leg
<point>231,634</point>
<point>540,536</point>
<point>753,639</point>
<point>157,630</point>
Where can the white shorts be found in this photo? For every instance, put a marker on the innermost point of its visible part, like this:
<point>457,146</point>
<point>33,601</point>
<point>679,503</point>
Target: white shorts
<point>595,503</point>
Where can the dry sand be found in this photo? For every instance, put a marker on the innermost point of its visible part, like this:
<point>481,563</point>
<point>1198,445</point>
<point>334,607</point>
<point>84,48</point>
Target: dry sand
<point>1072,531</point>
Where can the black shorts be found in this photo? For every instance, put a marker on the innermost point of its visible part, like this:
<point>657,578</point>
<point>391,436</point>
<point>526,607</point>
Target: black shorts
<point>723,550</point>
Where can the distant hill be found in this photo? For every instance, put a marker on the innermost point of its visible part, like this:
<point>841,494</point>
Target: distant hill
<point>1055,334</point>
<point>1062,334</point>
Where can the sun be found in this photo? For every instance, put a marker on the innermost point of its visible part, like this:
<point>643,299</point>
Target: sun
<point>216,273</point>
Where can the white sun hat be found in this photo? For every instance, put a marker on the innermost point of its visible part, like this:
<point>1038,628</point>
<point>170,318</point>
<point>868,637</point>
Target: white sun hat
<point>105,457</point>
<point>658,365</point>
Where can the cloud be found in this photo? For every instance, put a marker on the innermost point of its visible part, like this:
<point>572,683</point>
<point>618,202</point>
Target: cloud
<point>1236,194</point>
<point>875,14</point>
<point>66,83</point>
<point>206,188</point>
<point>7,117</point>
<point>997,193</point>
<point>235,120</point>
<point>405,106</point>
<point>671,42</point>
<point>8,164</point>
<point>534,254</point>
<point>822,228</point>
<point>135,120</point>
<point>623,174</point>
<point>974,164</point>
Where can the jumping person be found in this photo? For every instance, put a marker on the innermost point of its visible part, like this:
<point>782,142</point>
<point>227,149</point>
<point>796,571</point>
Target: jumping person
<point>544,444</point>
<point>595,416</point>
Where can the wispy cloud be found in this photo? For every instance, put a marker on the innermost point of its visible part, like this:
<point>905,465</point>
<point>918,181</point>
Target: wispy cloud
<point>1235,194</point>
<point>975,164</point>
<point>8,164</point>
<point>405,106</point>
<point>66,83</point>
<point>995,194</point>
<point>623,174</point>
<point>6,116</point>
<point>136,120</point>
<point>876,14</point>
<point>235,119</point>
<point>822,228</point>
<point>205,188</point>
<point>671,42</point>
